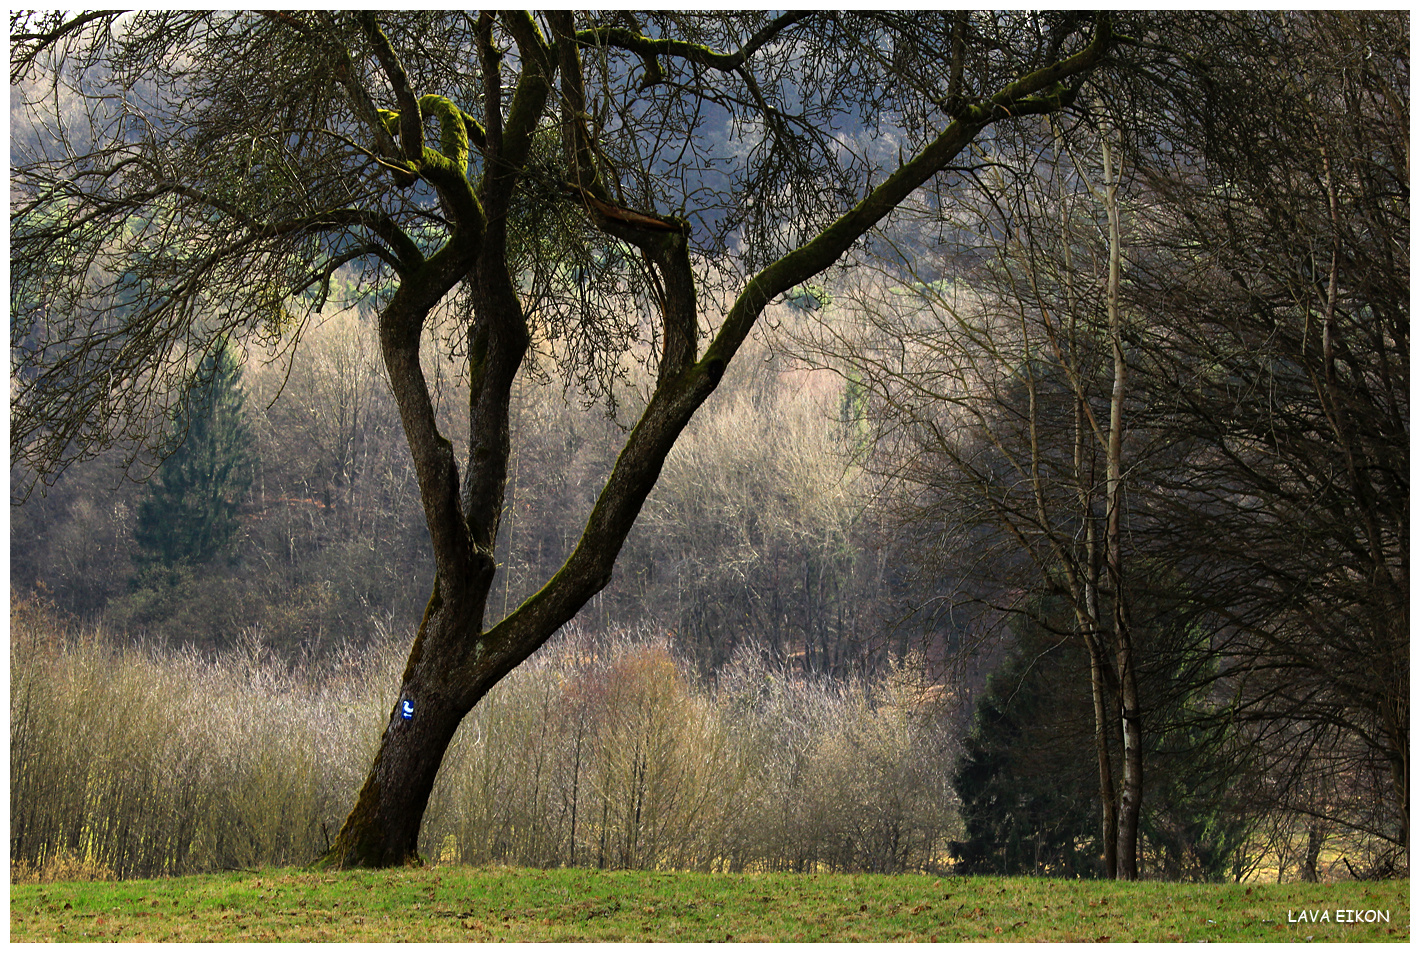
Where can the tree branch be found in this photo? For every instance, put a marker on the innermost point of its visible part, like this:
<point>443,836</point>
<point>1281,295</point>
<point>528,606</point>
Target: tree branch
<point>411,128</point>
<point>26,47</point>
<point>648,49</point>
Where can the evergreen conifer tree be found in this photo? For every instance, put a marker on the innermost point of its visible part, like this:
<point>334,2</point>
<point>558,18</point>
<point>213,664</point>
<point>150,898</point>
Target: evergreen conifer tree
<point>190,513</point>
<point>1028,786</point>
<point>1027,794</point>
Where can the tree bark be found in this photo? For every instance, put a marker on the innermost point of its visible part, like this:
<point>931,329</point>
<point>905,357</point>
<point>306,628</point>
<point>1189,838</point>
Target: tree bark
<point>383,829</point>
<point>1315,838</point>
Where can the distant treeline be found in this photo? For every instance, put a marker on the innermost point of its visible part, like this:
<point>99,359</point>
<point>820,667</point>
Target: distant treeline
<point>758,531</point>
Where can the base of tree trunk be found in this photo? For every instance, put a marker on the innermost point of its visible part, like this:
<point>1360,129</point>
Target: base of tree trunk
<point>383,828</point>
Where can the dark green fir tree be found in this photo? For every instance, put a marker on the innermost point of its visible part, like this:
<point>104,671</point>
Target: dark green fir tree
<point>1024,777</point>
<point>190,514</point>
<point>1028,776</point>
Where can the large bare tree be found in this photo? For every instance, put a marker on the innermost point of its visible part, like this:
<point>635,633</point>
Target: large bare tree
<point>1223,337</point>
<point>557,181</point>
<point>1288,384</point>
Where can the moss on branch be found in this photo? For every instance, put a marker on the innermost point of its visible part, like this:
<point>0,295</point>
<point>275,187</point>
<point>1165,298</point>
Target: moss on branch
<point>454,134</point>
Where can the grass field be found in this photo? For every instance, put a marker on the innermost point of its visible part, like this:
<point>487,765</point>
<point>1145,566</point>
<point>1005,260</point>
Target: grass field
<point>478,904</point>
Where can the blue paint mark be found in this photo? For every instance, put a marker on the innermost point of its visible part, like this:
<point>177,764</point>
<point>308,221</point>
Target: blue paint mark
<point>406,709</point>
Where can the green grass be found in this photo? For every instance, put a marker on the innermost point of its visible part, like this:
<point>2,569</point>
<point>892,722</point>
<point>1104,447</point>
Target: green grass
<point>477,904</point>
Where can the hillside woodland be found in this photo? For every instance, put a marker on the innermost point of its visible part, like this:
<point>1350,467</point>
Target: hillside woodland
<point>1060,527</point>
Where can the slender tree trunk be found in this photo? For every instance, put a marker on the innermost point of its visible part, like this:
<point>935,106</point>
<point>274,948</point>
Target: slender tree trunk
<point>1104,696</point>
<point>1131,785</point>
<point>1132,773</point>
<point>1103,688</point>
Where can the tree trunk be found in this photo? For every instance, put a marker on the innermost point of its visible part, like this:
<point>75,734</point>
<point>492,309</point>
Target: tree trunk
<point>1104,697</point>
<point>1315,838</point>
<point>1132,775</point>
<point>454,662</point>
<point>1131,784</point>
<point>383,828</point>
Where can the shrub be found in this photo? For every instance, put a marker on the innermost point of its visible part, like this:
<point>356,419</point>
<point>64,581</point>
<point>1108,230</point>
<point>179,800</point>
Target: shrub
<point>132,761</point>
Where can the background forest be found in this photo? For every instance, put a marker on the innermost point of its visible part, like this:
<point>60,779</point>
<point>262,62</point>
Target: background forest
<point>1099,462</point>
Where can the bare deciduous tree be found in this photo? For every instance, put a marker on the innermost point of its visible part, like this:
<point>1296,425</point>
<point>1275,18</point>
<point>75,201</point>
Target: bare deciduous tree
<point>1259,446</point>
<point>189,175</point>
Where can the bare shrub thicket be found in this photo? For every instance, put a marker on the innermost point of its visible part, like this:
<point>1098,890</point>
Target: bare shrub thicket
<point>148,763</point>
<point>603,751</point>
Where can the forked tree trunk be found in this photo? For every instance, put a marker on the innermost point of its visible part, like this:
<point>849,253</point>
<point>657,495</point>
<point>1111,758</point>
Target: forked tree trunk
<point>454,662</point>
